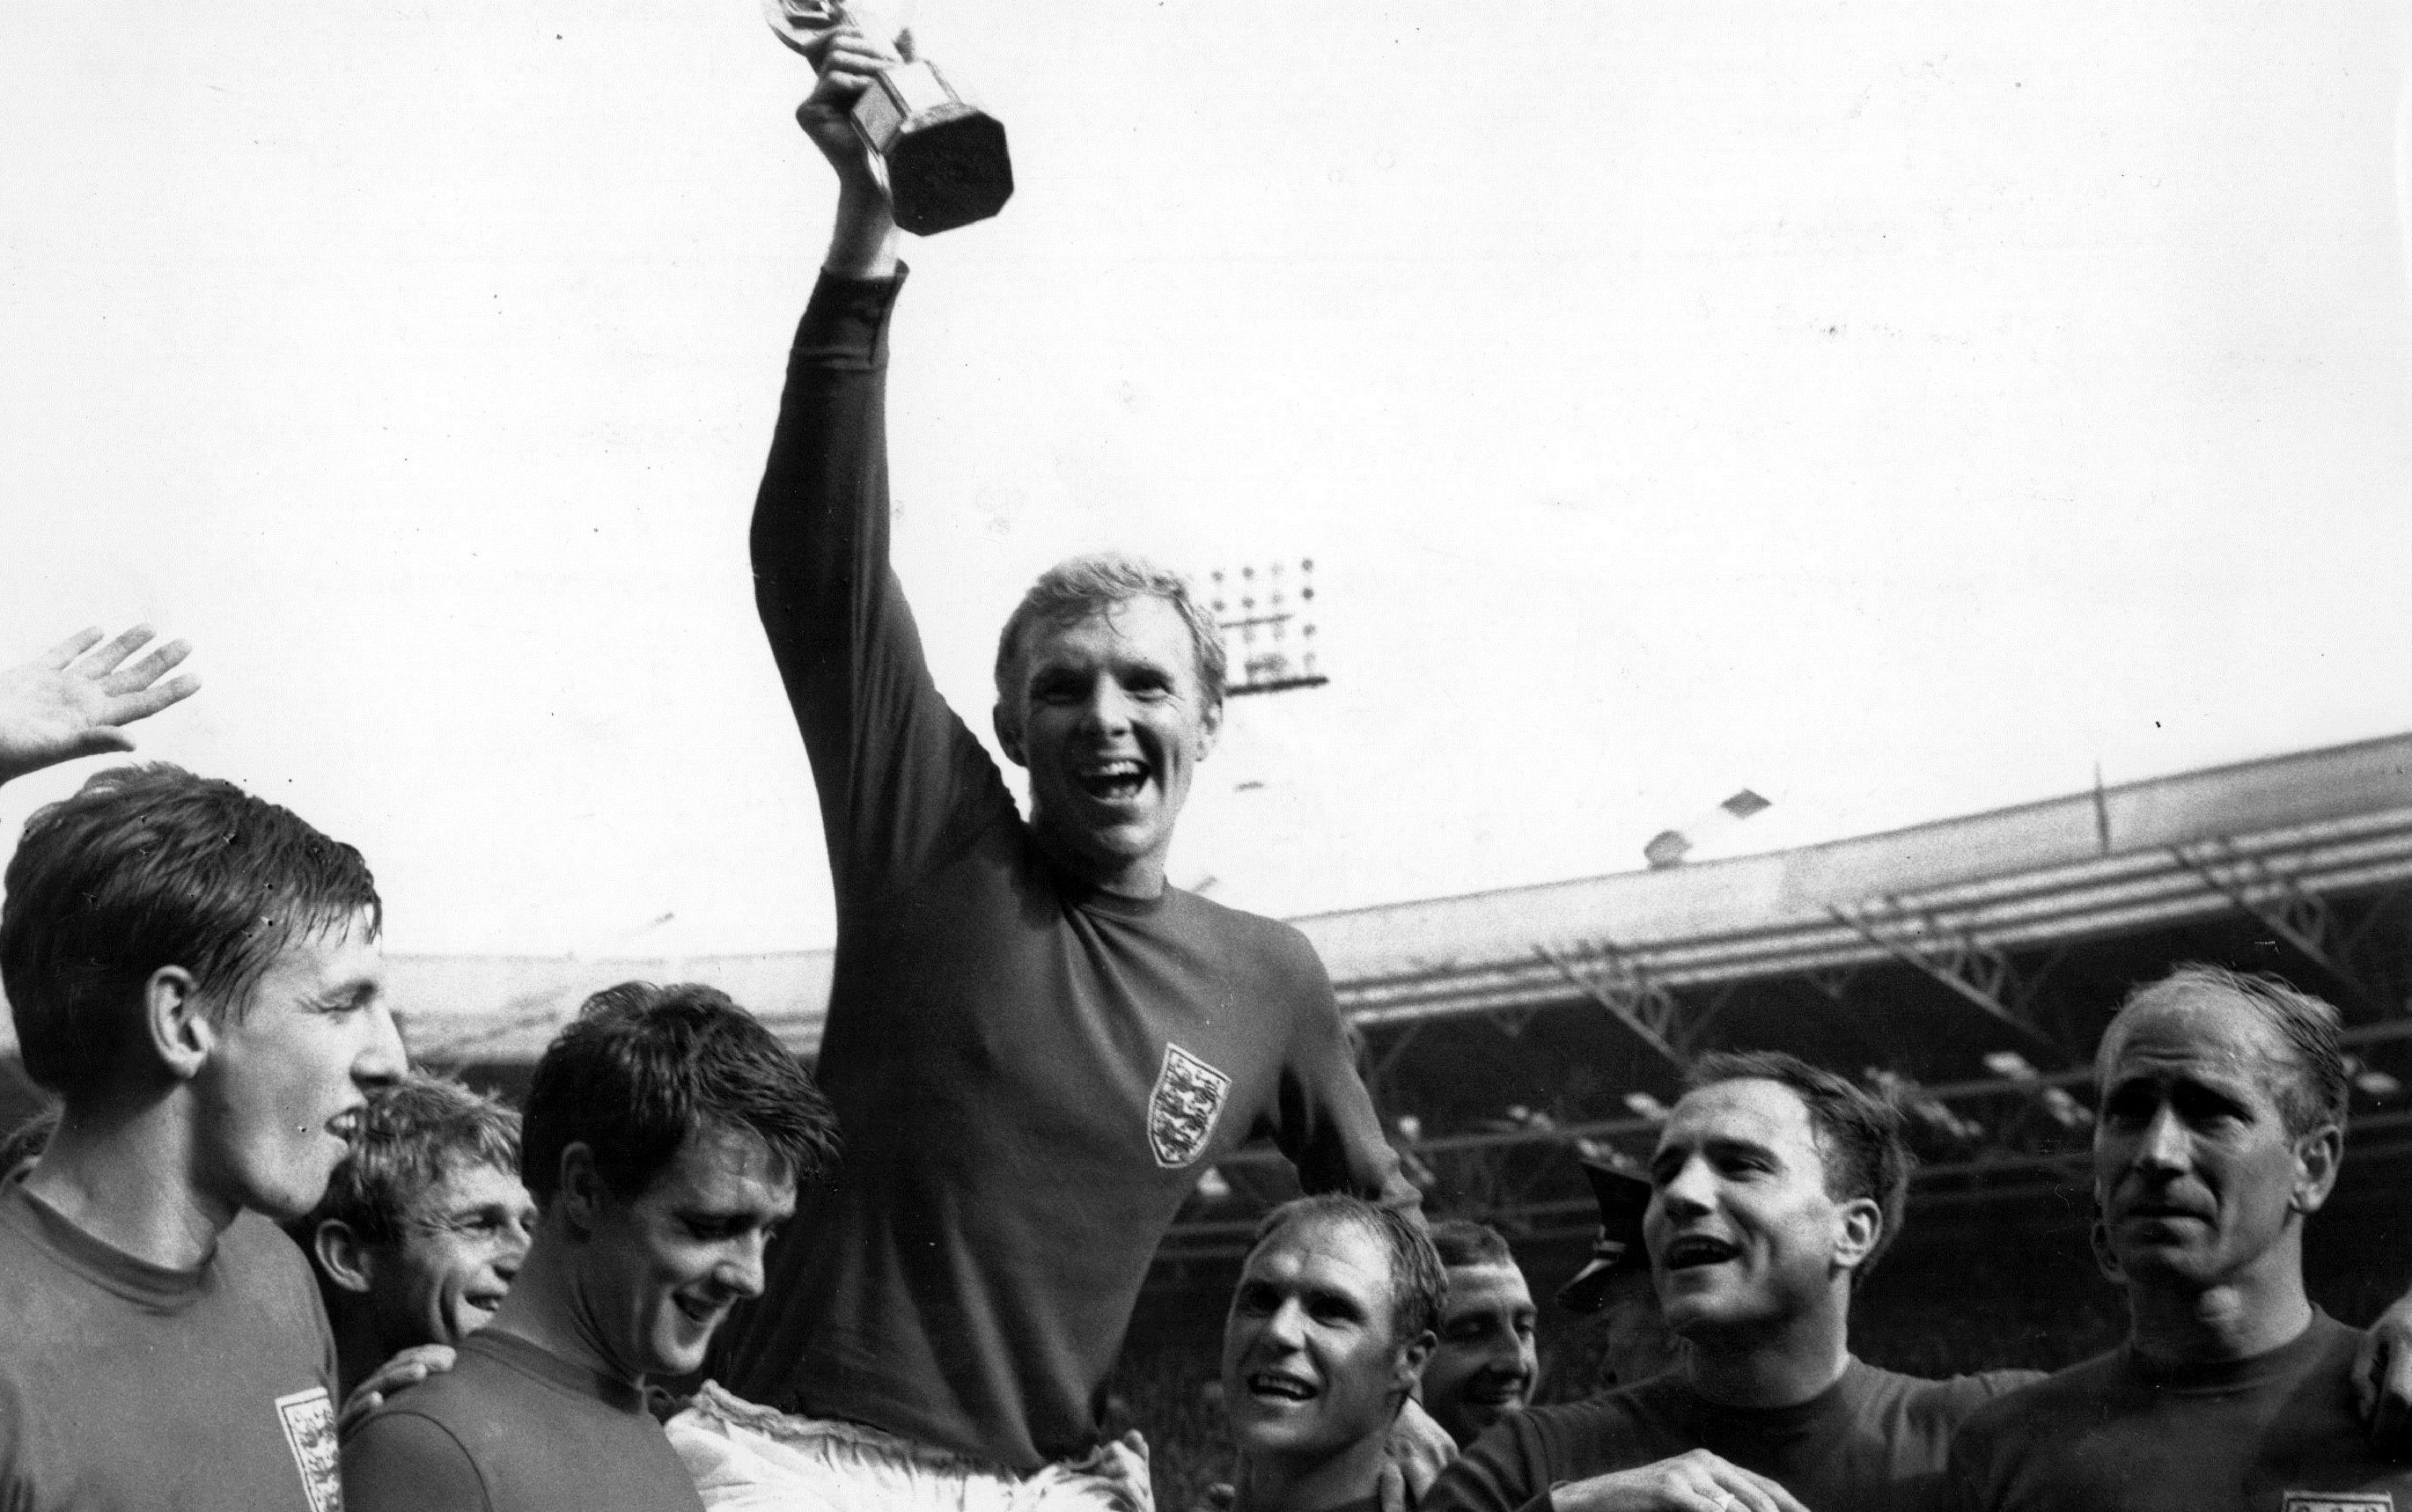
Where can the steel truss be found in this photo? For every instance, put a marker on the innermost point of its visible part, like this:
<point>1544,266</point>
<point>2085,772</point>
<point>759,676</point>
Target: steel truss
<point>1982,1138</point>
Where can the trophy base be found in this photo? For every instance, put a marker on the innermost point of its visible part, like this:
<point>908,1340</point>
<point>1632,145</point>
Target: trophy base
<point>947,162</point>
<point>950,173</point>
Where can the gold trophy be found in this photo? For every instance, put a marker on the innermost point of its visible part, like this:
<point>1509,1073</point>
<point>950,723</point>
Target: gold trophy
<point>945,159</point>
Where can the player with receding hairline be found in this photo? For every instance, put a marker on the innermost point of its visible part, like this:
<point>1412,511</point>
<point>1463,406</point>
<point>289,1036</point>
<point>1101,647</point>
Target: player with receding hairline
<point>2221,1129</point>
<point>1329,1330</point>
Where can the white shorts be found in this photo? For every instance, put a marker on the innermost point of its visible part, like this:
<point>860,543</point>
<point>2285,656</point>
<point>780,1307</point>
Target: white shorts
<point>754,1458</point>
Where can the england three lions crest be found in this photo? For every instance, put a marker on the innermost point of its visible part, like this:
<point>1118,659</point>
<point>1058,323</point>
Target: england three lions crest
<point>1182,1111</point>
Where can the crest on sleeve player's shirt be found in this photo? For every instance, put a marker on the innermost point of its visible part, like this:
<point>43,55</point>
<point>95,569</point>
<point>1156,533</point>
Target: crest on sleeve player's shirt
<point>2340,1501</point>
<point>1182,1111</point>
<point>309,1419</point>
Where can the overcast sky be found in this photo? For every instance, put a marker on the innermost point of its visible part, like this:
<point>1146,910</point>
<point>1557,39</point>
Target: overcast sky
<point>1897,408</point>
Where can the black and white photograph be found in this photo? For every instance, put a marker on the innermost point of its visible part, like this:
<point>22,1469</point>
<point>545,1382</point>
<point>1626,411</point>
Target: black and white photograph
<point>890,755</point>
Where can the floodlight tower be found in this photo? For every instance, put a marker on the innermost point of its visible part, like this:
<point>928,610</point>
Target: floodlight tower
<point>1268,634</point>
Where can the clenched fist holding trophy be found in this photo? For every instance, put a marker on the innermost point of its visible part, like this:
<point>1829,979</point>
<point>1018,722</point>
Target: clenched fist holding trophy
<point>945,159</point>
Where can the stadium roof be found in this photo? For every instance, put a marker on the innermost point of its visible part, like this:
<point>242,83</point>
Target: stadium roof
<point>2134,856</point>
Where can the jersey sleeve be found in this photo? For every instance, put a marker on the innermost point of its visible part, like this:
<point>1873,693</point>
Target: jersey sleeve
<point>902,781</point>
<point>1322,1118</point>
<point>1969,1481</point>
<point>401,1461</point>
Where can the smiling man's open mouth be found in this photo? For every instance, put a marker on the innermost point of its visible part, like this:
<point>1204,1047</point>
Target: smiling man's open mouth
<point>1117,781</point>
<point>1695,1250</point>
<point>1280,1386</point>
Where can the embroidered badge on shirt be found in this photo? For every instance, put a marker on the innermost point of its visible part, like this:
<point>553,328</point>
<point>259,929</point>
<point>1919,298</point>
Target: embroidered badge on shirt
<point>1182,1111</point>
<point>2340,1501</point>
<point>310,1431</point>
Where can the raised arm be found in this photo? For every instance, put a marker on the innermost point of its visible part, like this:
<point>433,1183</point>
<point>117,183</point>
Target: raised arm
<point>901,780</point>
<point>74,702</point>
<point>862,243</point>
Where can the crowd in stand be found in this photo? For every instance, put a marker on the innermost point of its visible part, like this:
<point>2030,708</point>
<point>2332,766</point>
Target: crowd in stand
<point>251,1259</point>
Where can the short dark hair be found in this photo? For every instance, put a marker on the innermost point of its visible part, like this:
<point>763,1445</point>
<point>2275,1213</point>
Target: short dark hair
<point>1858,1134</point>
<point>1462,1241</point>
<point>1079,587</point>
<point>146,867</point>
<point>2315,1090</point>
<point>1419,1285</point>
<point>641,1068</point>
<point>413,1134</point>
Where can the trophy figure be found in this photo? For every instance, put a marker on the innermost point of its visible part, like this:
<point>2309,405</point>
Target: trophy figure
<point>945,159</point>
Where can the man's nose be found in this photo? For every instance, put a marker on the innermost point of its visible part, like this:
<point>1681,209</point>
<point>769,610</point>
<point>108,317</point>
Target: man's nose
<point>1106,707</point>
<point>1504,1357</point>
<point>2165,1145</point>
<point>382,1060</point>
<point>517,1236</point>
<point>740,1272</point>
<point>1287,1325</point>
<point>1685,1194</point>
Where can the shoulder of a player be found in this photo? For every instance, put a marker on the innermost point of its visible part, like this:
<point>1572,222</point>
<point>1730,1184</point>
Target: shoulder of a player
<point>255,1242</point>
<point>1509,1465</point>
<point>403,1456</point>
<point>2334,1340</point>
<point>1269,943</point>
<point>1253,942</point>
<point>1571,1440</point>
<point>260,1260</point>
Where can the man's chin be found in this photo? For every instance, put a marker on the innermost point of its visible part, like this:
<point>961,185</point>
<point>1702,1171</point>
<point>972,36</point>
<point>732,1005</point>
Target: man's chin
<point>1480,1415</point>
<point>2178,1263</point>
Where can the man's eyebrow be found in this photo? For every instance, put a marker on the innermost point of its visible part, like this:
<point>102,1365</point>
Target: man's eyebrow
<point>1734,1144</point>
<point>357,993</point>
<point>1330,1296</point>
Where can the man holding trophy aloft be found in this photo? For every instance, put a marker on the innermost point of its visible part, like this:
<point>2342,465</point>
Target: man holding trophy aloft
<point>944,158</point>
<point>1034,1045</point>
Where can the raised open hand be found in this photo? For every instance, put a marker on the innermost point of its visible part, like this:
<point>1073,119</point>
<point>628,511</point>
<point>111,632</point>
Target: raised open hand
<point>73,700</point>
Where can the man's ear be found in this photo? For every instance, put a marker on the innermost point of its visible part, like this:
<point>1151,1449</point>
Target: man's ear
<point>1007,725</point>
<point>1407,1372</point>
<point>580,1194</point>
<point>1859,1229</point>
<point>175,1025</point>
<point>343,1258</point>
<point>2317,1155</point>
<point>1210,726</point>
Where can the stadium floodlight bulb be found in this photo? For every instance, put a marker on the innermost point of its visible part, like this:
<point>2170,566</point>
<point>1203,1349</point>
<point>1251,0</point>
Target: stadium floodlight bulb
<point>2011,1066</point>
<point>2066,1110</point>
<point>2376,1084</point>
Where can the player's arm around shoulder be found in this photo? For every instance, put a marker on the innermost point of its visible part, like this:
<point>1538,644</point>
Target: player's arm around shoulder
<point>2382,1380</point>
<point>400,1461</point>
<point>1979,1446</point>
